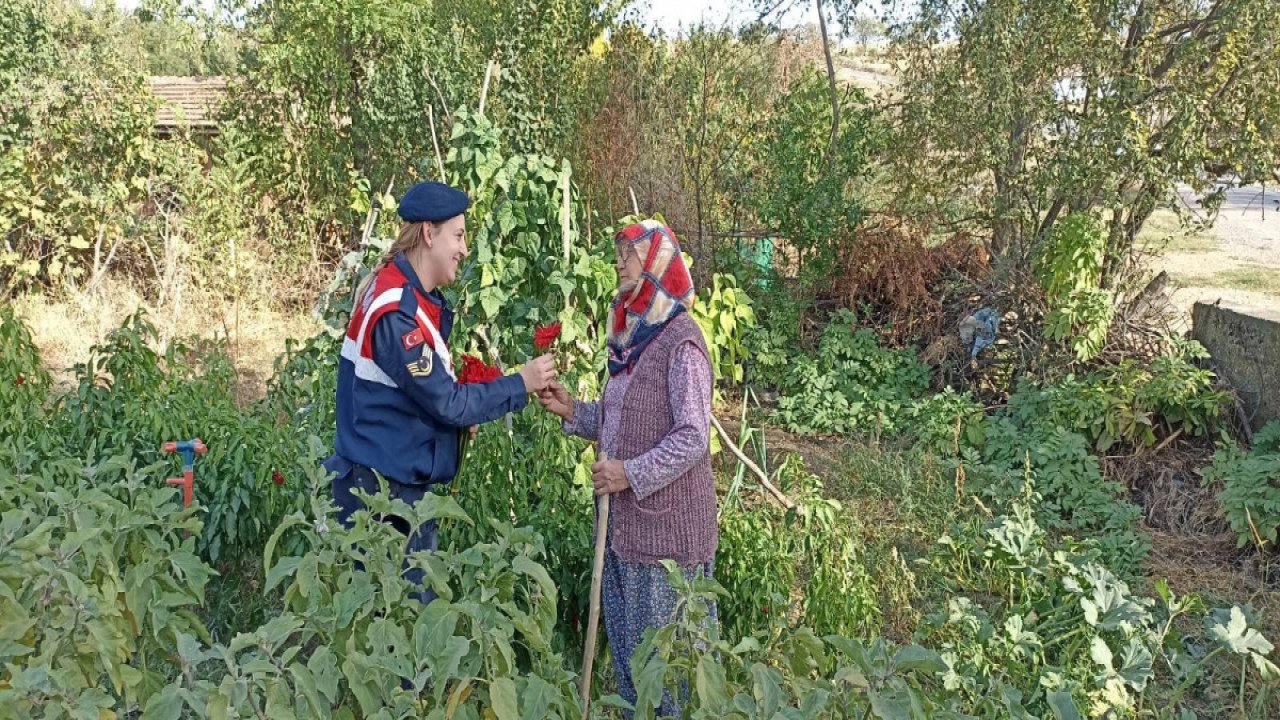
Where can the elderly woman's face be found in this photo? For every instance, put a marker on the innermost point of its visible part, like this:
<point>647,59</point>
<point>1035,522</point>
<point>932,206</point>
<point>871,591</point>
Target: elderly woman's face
<point>628,265</point>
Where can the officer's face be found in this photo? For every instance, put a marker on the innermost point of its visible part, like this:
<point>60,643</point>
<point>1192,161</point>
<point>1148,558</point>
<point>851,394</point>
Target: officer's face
<point>628,265</point>
<point>448,247</point>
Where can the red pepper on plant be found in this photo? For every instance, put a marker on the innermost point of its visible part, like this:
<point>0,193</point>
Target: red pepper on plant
<point>20,380</point>
<point>277,477</point>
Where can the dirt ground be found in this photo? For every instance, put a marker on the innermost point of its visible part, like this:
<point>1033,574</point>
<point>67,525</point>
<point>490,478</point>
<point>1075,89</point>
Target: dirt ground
<point>1236,261</point>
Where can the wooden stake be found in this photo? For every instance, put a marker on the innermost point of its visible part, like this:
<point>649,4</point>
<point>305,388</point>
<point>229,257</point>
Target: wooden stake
<point>564,215</point>
<point>431,118</point>
<point>593,614</point>
<point>484,88</point>
<point>755,469</point>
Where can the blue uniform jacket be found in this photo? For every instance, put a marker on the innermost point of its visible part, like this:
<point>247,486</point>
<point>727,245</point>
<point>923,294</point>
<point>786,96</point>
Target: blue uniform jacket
<point>399,409</point>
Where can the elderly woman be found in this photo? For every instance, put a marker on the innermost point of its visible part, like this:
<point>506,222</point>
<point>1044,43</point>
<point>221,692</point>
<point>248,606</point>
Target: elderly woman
<point>652,424</point>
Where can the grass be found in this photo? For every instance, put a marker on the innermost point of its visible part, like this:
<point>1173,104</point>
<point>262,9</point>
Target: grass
<point>1258,279</point>
<point>236,601</point>
<point>1164,233</point>
<point>904,500</point>
<point>66,327</point>
<point>899,500</point>
<point>1253,279</point>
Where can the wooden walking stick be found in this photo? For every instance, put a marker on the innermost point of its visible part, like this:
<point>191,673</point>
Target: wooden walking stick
<point>593,614</point>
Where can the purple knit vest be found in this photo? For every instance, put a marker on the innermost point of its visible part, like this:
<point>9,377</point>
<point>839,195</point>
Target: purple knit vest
<point>677,522</point>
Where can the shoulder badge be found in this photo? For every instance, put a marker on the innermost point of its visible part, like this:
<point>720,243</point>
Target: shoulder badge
<point>412,339</point>
<point>422,366</point>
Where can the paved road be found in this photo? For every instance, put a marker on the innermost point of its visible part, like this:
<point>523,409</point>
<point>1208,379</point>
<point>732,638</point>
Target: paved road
<point>1248,223</point>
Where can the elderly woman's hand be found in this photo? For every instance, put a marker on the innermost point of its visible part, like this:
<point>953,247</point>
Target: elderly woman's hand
<point>608,476</point>
<point>555,398</point>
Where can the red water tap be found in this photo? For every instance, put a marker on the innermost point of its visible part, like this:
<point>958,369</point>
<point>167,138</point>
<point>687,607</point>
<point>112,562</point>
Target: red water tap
<point>189,449</point>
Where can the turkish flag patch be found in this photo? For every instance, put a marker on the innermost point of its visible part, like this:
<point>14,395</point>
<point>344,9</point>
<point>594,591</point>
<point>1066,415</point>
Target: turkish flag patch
<point>413,339</point>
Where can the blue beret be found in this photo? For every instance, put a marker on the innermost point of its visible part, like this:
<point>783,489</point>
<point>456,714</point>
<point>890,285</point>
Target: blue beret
<point>433,202</point>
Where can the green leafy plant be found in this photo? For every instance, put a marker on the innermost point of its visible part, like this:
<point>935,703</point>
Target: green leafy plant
<point>1066,634</point>
<point>24,381</point>
<point>98,585</point>
<point>947,421</point>
<point>1250,494</point>
<point>130,399</point>
<point>1127,403</point>
<point>525,270</point>
<point>851,385</point>
<point>767,555</point>
<point>354,641</point>
<point>726,317</point>
<point>1070,268</point>
<point>1074,497</point>
<point>784,673</point>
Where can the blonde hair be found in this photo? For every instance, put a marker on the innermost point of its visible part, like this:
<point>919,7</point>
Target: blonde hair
<point>410,234</point>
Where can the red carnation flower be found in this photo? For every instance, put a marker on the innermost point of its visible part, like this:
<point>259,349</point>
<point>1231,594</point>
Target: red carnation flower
<point>474,370</point>
<point>20,380</point>
<point>545,335</point>
<point>277,477</point>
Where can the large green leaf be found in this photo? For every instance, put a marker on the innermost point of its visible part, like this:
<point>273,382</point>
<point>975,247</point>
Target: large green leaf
<point>502,694</point>
<point>710,683</point>
<point>164,705</point>
<point>1062,705</point>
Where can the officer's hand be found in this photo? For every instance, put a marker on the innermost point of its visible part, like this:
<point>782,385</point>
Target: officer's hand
<point>473,430</point>
<point>555,398</point>
<point>538,373</point>
<point>608,476</point>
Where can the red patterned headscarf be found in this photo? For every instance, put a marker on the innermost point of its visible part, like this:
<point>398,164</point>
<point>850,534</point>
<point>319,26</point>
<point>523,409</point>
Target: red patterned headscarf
<point>665,290</point>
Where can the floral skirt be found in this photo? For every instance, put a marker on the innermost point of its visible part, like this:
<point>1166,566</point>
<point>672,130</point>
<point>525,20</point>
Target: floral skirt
<point>635,597</point>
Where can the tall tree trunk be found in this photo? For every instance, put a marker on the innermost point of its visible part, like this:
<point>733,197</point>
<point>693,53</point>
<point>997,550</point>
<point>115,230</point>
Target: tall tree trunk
<point>1006,228</point>
<point>1125,225</point>
<point>831,88</point>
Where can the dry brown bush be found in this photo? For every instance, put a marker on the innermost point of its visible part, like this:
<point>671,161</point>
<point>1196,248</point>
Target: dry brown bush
<point>889,268</point>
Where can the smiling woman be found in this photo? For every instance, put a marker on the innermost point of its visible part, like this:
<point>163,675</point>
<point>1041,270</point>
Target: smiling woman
<point>401,409</point>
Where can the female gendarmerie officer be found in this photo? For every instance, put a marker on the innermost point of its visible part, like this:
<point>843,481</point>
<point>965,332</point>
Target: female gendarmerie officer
<point>400,410</point>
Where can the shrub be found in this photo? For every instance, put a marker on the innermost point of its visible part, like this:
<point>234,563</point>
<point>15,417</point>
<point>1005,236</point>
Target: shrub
<point>1063,633</point>
<point>726,317</point>
<point>1126,403</point>
<point>1069,266</point>
<point>851,385</point>
<point>1250,495</point>
<point>130,399</point>
<point>24,383</point>
<point>947,421</point>
<point>353,639</point>
<point>97,586</point>
<point>803,564</point>
<point>1074,497</point>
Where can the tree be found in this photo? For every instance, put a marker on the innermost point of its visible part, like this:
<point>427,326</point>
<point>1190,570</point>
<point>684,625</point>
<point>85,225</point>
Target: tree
<point>75,139</point>
<point>867,28</point>
<point>1015,114</point>
<point>684,123</point>
<point>341,89</point>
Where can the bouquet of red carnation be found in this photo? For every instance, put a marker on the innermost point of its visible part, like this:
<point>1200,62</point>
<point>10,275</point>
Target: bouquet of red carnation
<point>474,370</point>
<point>544,336</point>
